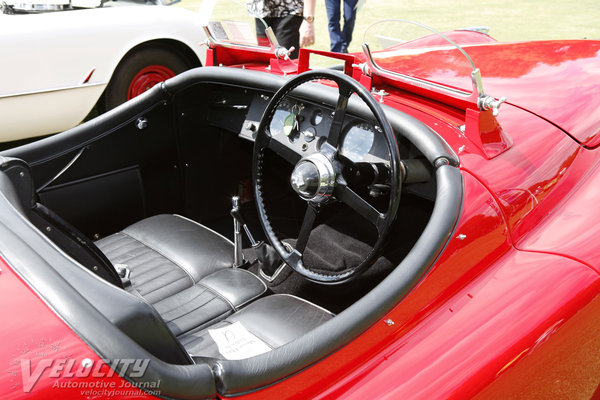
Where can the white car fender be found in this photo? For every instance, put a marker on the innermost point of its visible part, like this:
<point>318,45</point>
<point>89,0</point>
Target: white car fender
<point>55,66</point>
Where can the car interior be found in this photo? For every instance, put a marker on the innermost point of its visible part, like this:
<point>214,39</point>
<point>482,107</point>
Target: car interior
<point>227,204</point>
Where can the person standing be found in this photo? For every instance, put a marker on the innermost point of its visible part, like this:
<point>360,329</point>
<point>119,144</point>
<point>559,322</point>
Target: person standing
<point>292,21</point>
<point>339,37</point>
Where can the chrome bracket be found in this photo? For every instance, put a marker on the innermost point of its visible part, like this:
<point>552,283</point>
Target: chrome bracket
<point>488,102</point>
<point>283,53</point>
<point>364,68</point>
<point>485,102</point>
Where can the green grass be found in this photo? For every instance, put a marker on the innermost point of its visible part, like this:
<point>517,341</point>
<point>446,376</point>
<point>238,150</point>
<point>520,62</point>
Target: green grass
<point>509,20</point>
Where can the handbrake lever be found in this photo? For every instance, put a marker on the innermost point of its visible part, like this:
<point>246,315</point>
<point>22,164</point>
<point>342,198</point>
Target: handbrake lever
<point>267,256</point>
<point>238,222</point>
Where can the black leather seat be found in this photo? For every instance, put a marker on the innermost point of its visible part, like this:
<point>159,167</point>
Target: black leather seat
<point>183,269</point>
<point>180,267</point>
<point>167,254</point>
<point>274,320</point>
<point>210,300</point>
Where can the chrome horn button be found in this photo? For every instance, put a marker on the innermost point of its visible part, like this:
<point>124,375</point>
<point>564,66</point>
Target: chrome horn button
<point>313,178</point>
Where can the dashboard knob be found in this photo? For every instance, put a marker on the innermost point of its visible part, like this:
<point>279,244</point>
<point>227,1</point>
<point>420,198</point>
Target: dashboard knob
<point>310,134</point>
<point>251,126</point>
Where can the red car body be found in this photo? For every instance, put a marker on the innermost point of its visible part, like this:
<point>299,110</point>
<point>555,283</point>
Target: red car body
<point>509,308</point>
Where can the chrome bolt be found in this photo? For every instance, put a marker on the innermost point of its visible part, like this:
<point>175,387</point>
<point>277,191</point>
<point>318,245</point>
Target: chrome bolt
<point>141,123</point>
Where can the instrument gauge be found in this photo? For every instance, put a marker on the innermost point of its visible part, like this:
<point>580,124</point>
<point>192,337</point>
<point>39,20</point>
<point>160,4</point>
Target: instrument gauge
<point>289,124</point>
<point>280,119</point>
<point>357,142</point>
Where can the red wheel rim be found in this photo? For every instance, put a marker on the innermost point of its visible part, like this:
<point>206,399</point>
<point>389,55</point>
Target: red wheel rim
<point>148,77</point>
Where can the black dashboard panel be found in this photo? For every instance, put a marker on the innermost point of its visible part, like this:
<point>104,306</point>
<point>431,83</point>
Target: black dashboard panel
<point>303,126</point>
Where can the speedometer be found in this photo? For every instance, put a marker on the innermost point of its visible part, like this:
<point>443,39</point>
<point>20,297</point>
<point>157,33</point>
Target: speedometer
<point>357,142</point>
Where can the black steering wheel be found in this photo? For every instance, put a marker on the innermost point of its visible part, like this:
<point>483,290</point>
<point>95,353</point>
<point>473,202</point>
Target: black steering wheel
<point>317,177</point>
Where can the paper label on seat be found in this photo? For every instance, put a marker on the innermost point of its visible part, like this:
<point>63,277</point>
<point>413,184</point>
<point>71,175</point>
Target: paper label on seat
<point>236,343</point>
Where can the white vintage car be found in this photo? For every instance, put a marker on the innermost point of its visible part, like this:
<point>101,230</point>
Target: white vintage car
<point>56,66</point>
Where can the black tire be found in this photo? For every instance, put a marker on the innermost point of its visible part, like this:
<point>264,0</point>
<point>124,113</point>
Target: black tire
<point>117,90</point>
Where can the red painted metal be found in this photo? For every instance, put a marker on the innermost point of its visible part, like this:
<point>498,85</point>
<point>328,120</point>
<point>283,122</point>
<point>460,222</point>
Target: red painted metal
<point>510,314</point>
<point>484,310</point>
<point>484,131</point>
<point>147,78</point>
<point>573,227</point>
<point>510,308</point>
<point>304,59</point>
<point>31,335</point>
<point>89,76</point>
<point>537,299</point>
<point>557,80</point>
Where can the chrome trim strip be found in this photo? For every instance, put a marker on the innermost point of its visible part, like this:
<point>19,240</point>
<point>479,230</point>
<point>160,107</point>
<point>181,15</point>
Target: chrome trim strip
<point>2,96</point>
<point>212,42</point>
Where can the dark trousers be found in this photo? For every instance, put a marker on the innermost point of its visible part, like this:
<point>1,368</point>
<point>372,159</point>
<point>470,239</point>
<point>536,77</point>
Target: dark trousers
<point>286,29</point>
<point>340,38</point>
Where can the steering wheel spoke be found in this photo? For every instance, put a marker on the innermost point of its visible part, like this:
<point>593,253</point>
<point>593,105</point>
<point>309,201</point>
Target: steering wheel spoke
<point>349,197</point>
<point>306,228</point>
<point>335,130</point>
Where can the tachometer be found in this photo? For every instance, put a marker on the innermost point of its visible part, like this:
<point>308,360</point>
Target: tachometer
<point>357,142</point>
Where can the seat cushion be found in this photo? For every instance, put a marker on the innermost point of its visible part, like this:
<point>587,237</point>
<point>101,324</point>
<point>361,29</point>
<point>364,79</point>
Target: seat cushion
<point>210,300</point>
<point>167,254</point>
<point>273,320</point>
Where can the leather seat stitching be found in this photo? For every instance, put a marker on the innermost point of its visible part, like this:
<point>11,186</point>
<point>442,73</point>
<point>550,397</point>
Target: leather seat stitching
<point>114,245</point>
<point>191,311</point>
<point>204,227</point>
<point>159,252</point>
<point>217,294</point>
<point>187,302</point>
<point>162,287</point>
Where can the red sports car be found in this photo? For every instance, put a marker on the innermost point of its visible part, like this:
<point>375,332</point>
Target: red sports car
<point>384,228</point>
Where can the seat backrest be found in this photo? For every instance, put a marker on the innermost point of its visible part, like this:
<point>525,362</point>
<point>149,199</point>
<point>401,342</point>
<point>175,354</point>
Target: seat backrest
<point>17,185</point>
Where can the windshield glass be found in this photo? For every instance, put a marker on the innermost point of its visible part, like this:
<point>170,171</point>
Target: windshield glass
<point>231,21</point>
<point>422,55</point>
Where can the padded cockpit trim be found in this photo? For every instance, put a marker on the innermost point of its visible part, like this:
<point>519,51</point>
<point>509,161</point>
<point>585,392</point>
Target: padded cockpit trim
<point>46,268</point>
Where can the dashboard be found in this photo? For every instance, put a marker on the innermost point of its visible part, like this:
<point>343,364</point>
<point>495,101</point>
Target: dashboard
<point>304,126</point>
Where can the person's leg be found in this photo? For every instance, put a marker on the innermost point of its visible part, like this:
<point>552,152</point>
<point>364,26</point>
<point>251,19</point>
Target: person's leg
<point>333,17</point>
<point>287,31</point>
<point>349,20</point>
